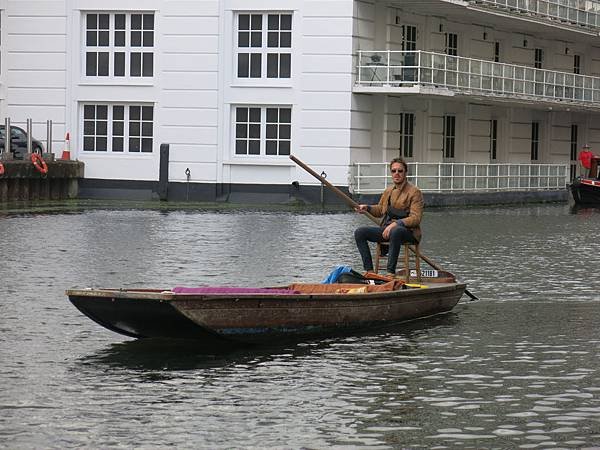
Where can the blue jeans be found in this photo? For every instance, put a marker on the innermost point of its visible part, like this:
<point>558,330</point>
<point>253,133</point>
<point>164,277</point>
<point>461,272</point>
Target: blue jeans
<point>398,236</point>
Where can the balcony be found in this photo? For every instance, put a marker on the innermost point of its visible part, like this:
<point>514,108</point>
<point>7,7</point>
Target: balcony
<point>579,13</point>
<point>373,178</point>
<point>433,73</point>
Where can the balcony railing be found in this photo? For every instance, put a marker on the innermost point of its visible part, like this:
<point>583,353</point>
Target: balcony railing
<point>575,12</point>
<point>373,178</point>
<point>390,68</point>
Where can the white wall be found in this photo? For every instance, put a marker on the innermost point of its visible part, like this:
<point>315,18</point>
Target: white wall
<point>33,73</point>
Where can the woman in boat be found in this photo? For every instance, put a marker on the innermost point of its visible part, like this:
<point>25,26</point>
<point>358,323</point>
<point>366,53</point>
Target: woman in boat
<point>401,207</point>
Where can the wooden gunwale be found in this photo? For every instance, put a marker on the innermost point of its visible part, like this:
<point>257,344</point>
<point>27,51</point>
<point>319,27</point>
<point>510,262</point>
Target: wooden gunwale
<point>167,295</point>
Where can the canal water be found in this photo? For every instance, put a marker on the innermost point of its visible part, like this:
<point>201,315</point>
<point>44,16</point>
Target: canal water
<point>519,368</point>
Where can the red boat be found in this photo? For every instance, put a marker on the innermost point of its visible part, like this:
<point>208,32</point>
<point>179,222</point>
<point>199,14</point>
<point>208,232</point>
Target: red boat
<point>586,190</point>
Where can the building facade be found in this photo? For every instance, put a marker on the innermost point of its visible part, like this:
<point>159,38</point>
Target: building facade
<point>234,87</point>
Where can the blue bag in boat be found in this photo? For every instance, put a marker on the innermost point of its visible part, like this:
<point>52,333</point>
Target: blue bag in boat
<point>335,274</point>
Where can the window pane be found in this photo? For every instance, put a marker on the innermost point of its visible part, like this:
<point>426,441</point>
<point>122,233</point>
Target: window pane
<point>134,144</point>
<point>272,65</point>
<point>285,115</point>
<point>120,21</point>
<point>285,39</point>
<point>243,39</point>
<point>148,21</point>
<point>286,21</point>
<point>254,131</point>
<point>102,112</point>
<point>119,39</point>
<point>256,39</point>
<point>136,21</point>
<point>241,131</point>
<point>118,128</point>
<point>255,65</point>
<point>91,21</point>
<point>103,21</point>
<point>103,38</point>
<point>117,144</point>
<point>136,38</point>
<point>254,148</point>
<point>102,128</point>
<point>273,22</point>
<point>147,129</point>
<point>243,65</point>
<point>256,22</point>
<point>135,112</point>
<point>148,38</point>
<point>273,39</point>
<point>244,22</point>
<point>91,39</point>
<point>135,63</point>
<point>148,65</point>
<point>271,148</point>
<point>271,131</point>
<point>147,145</point>
<point>89,112</point>
<point>284,131</point>
<point>101,144</point>
<point>284,148</point>
<point>91,68</point>
<point>147,113</point>
<point>103,64</point>
<point>285,62</point>
<point>134,128</point>
<point>254,114</point>
<point>88,144</point>
<point>240,147</point>
<point>272,115</point>
<point>120,64</point>
<point>88,127</point>
<point>118,112</point>
<point>241,114</point>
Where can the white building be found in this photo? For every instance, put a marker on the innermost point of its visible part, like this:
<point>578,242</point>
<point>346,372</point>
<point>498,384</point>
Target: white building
<point>234,86</point>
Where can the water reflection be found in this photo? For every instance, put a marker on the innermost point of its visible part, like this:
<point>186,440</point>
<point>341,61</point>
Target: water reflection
<point>180,354</point>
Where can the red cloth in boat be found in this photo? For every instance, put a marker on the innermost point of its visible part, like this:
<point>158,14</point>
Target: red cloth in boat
<point>224,290</point>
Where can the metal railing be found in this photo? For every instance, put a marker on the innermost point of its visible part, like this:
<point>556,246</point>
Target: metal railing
<point>391,68</point>
<point>373,178</point>
<point>576,12</point>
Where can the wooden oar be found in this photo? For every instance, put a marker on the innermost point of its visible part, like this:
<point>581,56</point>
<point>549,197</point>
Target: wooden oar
<point>354,205</point>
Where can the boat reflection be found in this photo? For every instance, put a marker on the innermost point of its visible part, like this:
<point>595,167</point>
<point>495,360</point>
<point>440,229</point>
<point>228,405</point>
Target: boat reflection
<point>186,354</point>
<point>584,210</point>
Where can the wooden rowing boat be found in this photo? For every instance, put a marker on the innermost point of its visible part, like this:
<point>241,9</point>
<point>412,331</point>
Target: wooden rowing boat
<point>221,316</point>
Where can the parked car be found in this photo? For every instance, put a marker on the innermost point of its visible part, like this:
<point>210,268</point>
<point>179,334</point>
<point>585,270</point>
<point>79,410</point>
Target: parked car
<point>18,142</point>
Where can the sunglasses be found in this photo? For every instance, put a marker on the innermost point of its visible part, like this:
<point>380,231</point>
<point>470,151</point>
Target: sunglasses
<point>397,170</point>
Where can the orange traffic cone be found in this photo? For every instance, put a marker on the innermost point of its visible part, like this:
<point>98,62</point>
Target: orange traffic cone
<point>66,154</point>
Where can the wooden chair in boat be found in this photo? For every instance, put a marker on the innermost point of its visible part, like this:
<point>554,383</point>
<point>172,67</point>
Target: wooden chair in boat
<point>381,258</point>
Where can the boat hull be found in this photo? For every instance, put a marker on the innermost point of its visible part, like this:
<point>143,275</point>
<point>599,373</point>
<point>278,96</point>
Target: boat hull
<point>252,319</point>
<point>586,191</point>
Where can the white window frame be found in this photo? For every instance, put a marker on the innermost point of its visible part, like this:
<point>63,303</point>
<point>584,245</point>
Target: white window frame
<point>143,123</point>
<point>129,50</point>
<point>262,132</point>
<point>264,50</point>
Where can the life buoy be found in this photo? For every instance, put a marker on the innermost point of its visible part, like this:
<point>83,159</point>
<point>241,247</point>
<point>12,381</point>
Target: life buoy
<point>39,163</point>
<point>1,169</point>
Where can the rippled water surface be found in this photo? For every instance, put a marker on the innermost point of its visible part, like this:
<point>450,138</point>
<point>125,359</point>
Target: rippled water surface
<point>518,369</point>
